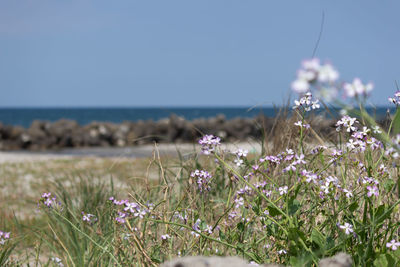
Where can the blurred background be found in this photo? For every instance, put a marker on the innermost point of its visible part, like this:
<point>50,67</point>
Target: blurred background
<point>128,61</point>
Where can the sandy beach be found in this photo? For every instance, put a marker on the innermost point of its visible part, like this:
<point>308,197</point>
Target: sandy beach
<point>141,151</point>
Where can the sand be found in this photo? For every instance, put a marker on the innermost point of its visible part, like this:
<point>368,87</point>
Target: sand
<point>142,151</point>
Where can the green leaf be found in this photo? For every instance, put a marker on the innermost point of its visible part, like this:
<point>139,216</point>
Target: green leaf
<point>222,236</point>
<point>396,122</point>
<point>295,233</point>
<point>380,210</point>
<point>240,226</point>
<point>391,260</point>
<point>353,206</point>
<point>294,205</point>
<point>318,238</point>
<point>382,213</point>
<point>330,242</point>
<point>256,209</point>
<point>156,260</point>
<point>273,211</point>
<point>302,260</point>
<point>381,261</point>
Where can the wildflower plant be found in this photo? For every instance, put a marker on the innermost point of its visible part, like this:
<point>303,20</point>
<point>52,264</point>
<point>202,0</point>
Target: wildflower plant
<point>294,207</point>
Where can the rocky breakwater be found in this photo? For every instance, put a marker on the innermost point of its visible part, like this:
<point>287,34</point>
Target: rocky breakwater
<point>44,135</point>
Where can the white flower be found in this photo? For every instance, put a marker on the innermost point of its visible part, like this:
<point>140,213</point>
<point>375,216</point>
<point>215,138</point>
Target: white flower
<point>311,64</point>
<point>376,129</point>
<point>238,162</point>
<point>346,122</point>
<point>306,75</point>
<point>327,73</point>
<point>208,229</point>
<point>302,125</point>
<point>357,88</point>
<point>348,228</point>
<point>351,144</point>
<point>315,104</point>
<point>241,152</point>
<point>348,193</point>
<point>282,251</point>
<point>239,202</point>
<point>57,261</point>
<point>131,207</point>
<point>300,86</point>
<point>283,190</point>
<point>165,237</point>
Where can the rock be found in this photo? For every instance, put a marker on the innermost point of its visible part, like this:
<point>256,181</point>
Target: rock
<point>62,127</point>
<point>175,129</point>
<point>198,261</point>
<point>239,128</point>
<point>67,133</point>
<point>120,134</point>
<point>339,260</point>
<point>38,137</point>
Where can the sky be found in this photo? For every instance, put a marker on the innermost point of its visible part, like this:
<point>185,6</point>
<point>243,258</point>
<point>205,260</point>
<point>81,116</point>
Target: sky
<point>129,53</point>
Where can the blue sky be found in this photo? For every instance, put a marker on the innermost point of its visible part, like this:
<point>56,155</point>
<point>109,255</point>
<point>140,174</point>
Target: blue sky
<point>187,53</point>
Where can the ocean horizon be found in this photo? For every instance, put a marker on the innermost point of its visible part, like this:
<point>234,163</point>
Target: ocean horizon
<point>24,117</point>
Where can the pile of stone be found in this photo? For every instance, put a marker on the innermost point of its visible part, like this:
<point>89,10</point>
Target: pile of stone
<point>44,135</point>
<point>340,260</point>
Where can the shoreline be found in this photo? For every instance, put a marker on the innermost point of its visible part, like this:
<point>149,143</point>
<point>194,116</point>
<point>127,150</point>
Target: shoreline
<point>133,152</point>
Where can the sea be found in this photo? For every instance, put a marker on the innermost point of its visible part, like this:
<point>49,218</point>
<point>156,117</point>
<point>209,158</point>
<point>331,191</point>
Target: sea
<point>85,115</point>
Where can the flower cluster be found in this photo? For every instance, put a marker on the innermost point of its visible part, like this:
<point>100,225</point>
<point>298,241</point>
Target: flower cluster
<point>57,261</point>
<point>346,122</point>
<point>396,99</point>
<point>130,210</point>
<point>4,236</point>
<point>295,160</point>
<point>309,176</point>
<point>306,103</point>
<point>311,72</point>
<point>50,201</point>
<point>240,154</point>
<point>209,143</point>
<point>203,179</point>
<point>328,184</point>
<point>89,218</point>
<point>182,216</point>
<point>199,227</point>
<point>357,88</point>
<point>302,124</point>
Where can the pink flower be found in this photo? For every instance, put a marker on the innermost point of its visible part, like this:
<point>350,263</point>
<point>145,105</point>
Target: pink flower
<point>393,244</point>
<point>372,190</point>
